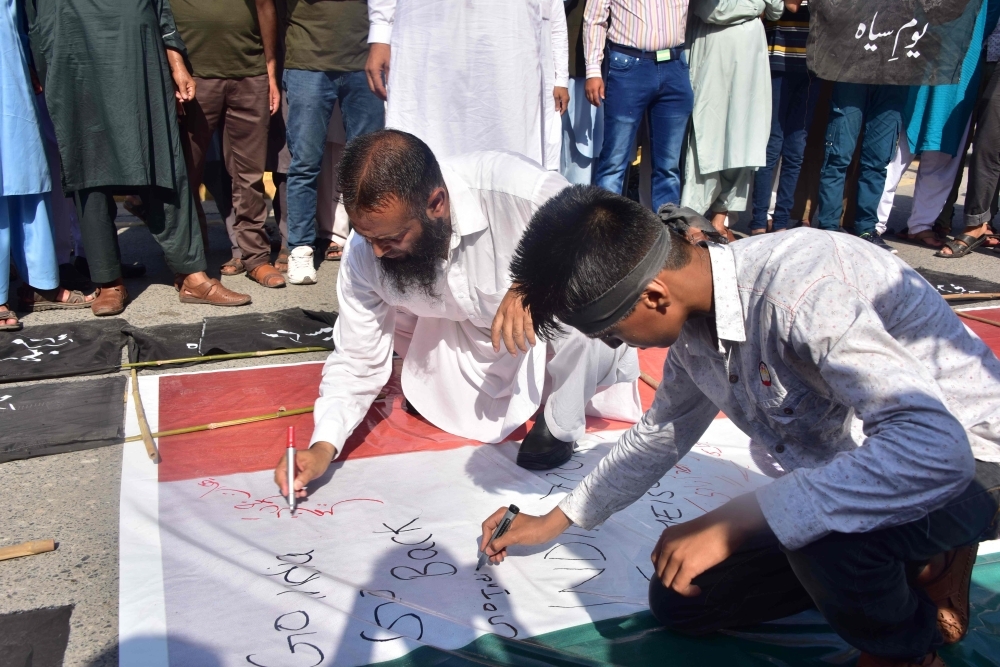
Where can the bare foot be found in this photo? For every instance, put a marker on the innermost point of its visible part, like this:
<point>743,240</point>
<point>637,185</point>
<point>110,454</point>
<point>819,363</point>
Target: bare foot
<point>10,321</point>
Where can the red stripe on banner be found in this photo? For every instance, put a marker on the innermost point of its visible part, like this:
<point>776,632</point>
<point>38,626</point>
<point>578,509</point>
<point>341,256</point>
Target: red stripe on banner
<point>989,333</point>
<point>200,398</point>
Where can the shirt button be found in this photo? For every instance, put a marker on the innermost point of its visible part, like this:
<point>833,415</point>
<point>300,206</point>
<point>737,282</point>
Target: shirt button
<point>779,449</point>
<point>733,379</point>
<point>788,411</point>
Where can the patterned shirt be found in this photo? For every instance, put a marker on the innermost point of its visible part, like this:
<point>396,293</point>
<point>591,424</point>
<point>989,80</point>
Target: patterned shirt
<point>649,25</point>
<point>812,330</point>
<point>786,40</point>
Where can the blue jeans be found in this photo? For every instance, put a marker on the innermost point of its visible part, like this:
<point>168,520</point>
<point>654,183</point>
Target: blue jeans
<point>879,109</point>
<point>793,99</point>
<point>634,87</point>
<point>311,98</point>
<point>862,583</point>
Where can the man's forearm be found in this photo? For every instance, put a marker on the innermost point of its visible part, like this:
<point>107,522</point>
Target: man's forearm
<point>267,17</point>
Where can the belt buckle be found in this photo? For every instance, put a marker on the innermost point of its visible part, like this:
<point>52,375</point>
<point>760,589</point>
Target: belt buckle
<point>663,55</point>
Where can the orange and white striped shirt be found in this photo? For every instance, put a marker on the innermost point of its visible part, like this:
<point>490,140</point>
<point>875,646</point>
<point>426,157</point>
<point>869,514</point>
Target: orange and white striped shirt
<point>649,25</point>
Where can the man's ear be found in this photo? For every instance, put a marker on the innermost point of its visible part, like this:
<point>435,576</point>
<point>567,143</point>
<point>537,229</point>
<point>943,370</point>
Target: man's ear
<point>657,295</point>
<point>437,203</point>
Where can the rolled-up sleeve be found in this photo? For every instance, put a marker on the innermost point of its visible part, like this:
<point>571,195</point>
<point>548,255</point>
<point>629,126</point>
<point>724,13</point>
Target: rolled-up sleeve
<point>380,18</point>
<point>361,362</point>
<point>916,455</point>
<point>680,415</point>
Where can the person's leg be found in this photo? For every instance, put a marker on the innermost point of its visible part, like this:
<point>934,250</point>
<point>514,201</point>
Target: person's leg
<point>244,146</point>
<point>893,174</point>
<point>866,586</point>
<point>754,585</point>
<point>883,122</point>
<point>934,179</point>
<point>311,96</point>
<point>795,116</point>
<point>630,85</point>
<point>846,113</point>
<point>669,112</point>
<point>984,166</point>
<point>32,247</point>
<point>5,225</point>
<point>780,90</point>
<point>362,110</point>
<point>96,210</point>
<point>201,116</point>
<point>734,190</point>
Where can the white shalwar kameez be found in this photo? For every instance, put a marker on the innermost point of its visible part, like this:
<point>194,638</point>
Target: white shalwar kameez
<point>472,76</point>
<point>451,374</point>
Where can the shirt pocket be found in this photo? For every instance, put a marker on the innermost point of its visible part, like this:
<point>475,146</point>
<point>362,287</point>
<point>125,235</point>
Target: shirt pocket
<point>486,305</point>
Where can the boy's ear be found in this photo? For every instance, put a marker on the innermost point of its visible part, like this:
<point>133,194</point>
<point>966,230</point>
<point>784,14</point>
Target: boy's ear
<point>656,295</point>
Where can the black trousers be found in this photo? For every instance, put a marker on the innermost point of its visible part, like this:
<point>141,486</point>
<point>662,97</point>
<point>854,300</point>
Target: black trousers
<point>862,583</point>
<point>984,166</point>
<point>169,217</point>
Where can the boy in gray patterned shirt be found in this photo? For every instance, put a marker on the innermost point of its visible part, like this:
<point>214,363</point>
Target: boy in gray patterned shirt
<point>792,336</point>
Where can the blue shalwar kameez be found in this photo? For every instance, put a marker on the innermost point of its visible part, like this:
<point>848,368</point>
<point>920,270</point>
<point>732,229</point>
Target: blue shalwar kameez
<point>25,183</point>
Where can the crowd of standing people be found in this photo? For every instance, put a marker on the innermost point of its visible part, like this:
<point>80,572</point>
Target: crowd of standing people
<point>707,104</point>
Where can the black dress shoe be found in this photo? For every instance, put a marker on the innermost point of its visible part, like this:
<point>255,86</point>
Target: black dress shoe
<point>540,450</point>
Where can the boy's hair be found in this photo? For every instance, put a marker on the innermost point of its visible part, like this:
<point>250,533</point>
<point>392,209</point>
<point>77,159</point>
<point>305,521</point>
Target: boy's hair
<point>384,165</point>
<point>579,245</point>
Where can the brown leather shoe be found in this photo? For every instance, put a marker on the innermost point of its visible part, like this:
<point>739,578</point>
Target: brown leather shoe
<point>213,293</point>
<point>109,301</point>
<point>930,660</point>
<point>950,592</point>
<point>267,275</point>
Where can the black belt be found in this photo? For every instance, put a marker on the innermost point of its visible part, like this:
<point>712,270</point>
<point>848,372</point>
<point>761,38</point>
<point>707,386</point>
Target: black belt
<point>675,52</point>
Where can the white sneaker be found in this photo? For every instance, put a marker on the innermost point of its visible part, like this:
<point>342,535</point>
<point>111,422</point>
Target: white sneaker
<point>300,266</point>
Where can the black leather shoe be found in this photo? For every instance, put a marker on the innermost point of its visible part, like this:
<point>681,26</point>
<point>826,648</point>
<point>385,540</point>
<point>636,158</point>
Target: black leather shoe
<point>540,450</point>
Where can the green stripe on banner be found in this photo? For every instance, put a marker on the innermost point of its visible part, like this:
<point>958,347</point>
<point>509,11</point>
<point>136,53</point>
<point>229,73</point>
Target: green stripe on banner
<point>638,640</point>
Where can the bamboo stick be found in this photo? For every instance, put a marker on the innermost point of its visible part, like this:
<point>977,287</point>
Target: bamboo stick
<point>977,319</point>
<point>27,549</point>
<point>145,436</point>
<point>282,412</point>
<point>981,296</point>
<point>648,379</point>
<point>222,357</point>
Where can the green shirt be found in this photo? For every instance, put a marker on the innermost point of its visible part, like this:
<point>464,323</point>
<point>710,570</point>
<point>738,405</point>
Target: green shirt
<point>222,37</point>
<point>327,35</point>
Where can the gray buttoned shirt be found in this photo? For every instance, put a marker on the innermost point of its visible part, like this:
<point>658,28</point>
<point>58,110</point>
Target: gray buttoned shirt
<point>812,330</point>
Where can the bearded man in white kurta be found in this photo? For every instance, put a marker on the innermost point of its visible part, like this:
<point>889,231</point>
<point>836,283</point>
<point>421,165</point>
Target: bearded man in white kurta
<point>425,274</point>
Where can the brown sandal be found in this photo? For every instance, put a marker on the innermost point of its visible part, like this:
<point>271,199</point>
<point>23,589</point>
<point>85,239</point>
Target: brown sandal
<point>110,301</point>
<point>38,300</point>
<point>950,593</point>
<point>212,292</point>
<point>281,263</point>
<point>266,275</point>
<point>333,253</point>
<point>233,267</point>
<point>7,314</point>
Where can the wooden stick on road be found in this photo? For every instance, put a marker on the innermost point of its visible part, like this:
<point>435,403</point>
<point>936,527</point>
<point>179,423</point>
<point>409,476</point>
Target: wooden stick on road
<point>27,549</point>
<point>979,296</point>
<point>962,313</point>
<point>145,436</point>
<point>223,357</point>
<point>282,412</point>
<point>648,379</point>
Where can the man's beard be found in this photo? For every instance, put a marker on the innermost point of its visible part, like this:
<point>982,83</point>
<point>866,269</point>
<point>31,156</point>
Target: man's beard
<point>419,268</point>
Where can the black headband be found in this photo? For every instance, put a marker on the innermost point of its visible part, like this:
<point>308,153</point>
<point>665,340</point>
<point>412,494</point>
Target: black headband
<point>607,309</point>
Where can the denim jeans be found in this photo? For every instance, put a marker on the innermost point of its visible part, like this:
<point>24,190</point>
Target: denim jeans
<point>635,87</point>
<point>879,110</point>
<point>862,583</point>
<point>311,98</point>
<point>793,99</point>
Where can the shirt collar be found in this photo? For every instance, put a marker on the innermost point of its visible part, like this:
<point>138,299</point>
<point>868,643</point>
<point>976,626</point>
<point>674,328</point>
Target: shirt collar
<point>729,323</point>
<point>466,214</point>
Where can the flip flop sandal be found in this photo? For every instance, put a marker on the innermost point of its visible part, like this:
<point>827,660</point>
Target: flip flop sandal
<point>8,314</point>
<point>36,301</point>
<point>333,252</point>
<point>962,245</point>
<point>233,267</point>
